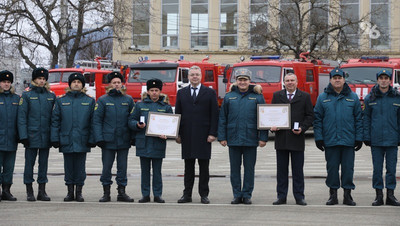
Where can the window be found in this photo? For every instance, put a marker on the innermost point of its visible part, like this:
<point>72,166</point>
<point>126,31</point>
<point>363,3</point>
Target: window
<point>228,24</point>
<point>309,76</point>
<point>380,34</point>
<point>258,23</point>
<point>141,21</point>
<point>170,23</point>
<point>349,13</point>
<point>209,77</point>
<point>199,24</point>
<point>319,23</point>
<point>289,24</point>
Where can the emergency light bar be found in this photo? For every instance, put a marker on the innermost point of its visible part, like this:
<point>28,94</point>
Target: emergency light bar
<point>275,57</point>
<point>382,58</point>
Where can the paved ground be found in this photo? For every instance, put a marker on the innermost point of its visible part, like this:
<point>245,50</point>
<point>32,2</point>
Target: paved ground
<point>219,212</point>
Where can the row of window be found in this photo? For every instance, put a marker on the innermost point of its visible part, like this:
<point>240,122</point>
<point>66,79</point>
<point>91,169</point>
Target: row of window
<point>378,28</point>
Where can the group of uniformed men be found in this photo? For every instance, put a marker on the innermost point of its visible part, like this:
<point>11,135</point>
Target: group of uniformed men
<point>75,123</point>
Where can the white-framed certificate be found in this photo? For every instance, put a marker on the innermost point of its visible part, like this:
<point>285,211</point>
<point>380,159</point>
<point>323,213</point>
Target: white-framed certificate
<point>163,124</point>
<point>273,115</point>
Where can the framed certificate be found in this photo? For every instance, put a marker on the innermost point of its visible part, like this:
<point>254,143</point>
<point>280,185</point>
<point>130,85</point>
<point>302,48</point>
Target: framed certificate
<point>273,115</point>
<point>163,124</point>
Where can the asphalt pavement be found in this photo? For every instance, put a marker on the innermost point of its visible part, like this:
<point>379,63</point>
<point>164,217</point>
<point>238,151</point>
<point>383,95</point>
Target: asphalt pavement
<point>219,212</point>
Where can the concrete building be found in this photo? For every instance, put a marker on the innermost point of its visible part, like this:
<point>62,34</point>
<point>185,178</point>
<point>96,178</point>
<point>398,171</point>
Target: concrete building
<point>227,29</point>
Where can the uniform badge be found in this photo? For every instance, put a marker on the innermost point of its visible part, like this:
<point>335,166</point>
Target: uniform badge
<point>96,106</point>
<point>21,101</point>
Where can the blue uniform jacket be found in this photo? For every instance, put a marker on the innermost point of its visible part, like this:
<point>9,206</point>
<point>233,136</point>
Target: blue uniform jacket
<point>8,120</point>
<point>71,122</point>
<point>34,115</point>
<point>110,120</point>
<point>338,118</point>
<point>382,117</point>
<point>146,146</point>
<point>238,118</point>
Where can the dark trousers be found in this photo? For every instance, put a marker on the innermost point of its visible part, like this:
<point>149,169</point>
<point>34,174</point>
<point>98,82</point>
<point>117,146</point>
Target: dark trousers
<point>204,177</point>
<point>282,173</point>
<point>249,155</point>
<point>378,155</point>
<point>74,168</point>
<point>7,163</point>
<point>108,157</point>
<point>145,165</point>
<point>340,156</point>
<point>30,159</point>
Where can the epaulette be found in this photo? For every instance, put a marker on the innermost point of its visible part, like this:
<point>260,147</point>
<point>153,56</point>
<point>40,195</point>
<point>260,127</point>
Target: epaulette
<point>28,89</point>
<point>62,95</point>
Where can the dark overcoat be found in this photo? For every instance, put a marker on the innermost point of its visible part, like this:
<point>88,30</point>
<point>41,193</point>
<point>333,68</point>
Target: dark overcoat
<point>8,120</point>
<point>301,111</point>
<point>198,120</point>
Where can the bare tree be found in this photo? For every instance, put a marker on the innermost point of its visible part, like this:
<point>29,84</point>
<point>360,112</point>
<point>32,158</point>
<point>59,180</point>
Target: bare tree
<point>319,26</point>
<point>57,26</point>
<point>102,49</point>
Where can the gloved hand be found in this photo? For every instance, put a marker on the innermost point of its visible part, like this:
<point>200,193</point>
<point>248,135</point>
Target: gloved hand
<point>367,142</point>
<point>357,145</point>
<point>101,143</point>
<point>320,145</point>
<point>25,142</point>
<point>55,144</point>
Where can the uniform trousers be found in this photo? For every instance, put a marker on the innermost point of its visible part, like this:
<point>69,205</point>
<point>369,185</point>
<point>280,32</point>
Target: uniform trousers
<point>7,163</point>
<point>108,157</point>
<point>204,177</point>
<point>342,156</point>
<point>249,156</point>
<point>75,168</point>
<point>282,173</point>
<point>145,165</point>
<point>378,155</point>
<point>30,159</point>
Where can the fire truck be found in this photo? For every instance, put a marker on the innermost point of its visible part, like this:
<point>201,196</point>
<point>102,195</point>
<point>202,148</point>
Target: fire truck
<point>174,75</point>
<point>361,73</point>
<point>269,71</point>
<point>94,72</point>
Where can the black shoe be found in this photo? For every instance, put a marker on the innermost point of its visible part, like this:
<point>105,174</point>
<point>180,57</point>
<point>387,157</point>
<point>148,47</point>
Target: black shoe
<point>379,198</point>
<point>333,200</point>
<point>29,193</point>
<point>42,195</point>
<point>205,200</point>
<point>144,199</point>
<point>347,199</point>
<point>70,195</point>
<point>78,194</point>
<point>301,202</point>
<point>6,194</point>
<point>391,199</point>
<point>106,195</point>
<point>279,202</point>
<point>247,201</point>
<point>237,200</point>
<point>185,199</point>
<point>158,199</point>
<point>122,196</point>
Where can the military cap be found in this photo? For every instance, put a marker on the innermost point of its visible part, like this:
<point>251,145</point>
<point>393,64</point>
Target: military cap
<point>154,83</point>
<point>384,72</point>
<point>336,72</point>
<point>242,73</point>
<point>115,74</point>
<point>76,76</point>
<point>40,72</point>
<point>6,75</point>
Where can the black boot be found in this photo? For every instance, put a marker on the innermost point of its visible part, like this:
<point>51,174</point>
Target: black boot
<point>106,196</point>
<point>347,199</point>
<point>29,193</point>
<point>332,197</point>
<point>122,196</point>
<point>78,196</point>
<point>390,199</point>
<point>42,195</point>
<point>70,194</point>
<point>379,198</point>
<point>6,194</point>
<point>0,194</point>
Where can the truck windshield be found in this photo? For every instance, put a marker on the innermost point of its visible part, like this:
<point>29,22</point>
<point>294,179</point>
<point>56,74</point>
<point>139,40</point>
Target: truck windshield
<point>142,75</point>
<point>55,77</point>
<point>261,74</point>
<point>363,75</point>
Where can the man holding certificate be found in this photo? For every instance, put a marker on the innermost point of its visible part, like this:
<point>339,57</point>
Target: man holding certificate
<point>151,150</point>
<point>290,142</point>
<point>237,128</point>
<point>338,130</point>
<point>198,107</point>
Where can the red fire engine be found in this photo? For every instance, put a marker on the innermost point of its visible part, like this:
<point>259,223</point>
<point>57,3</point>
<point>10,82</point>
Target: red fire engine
<point>174,75</point>
<point>269,71</point>
<point>361,73</point>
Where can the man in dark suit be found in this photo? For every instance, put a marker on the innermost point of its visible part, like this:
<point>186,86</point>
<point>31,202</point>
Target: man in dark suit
<point>291,141</point>
<point>198,107</point>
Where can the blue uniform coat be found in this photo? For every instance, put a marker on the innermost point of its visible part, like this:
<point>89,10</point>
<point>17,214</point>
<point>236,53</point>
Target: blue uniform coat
<point>146,146</point>
<point>338,119</point>
<point>34,115</point>
<point>8,120</point>
<point>238,118</point>
<point>71,122</point>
